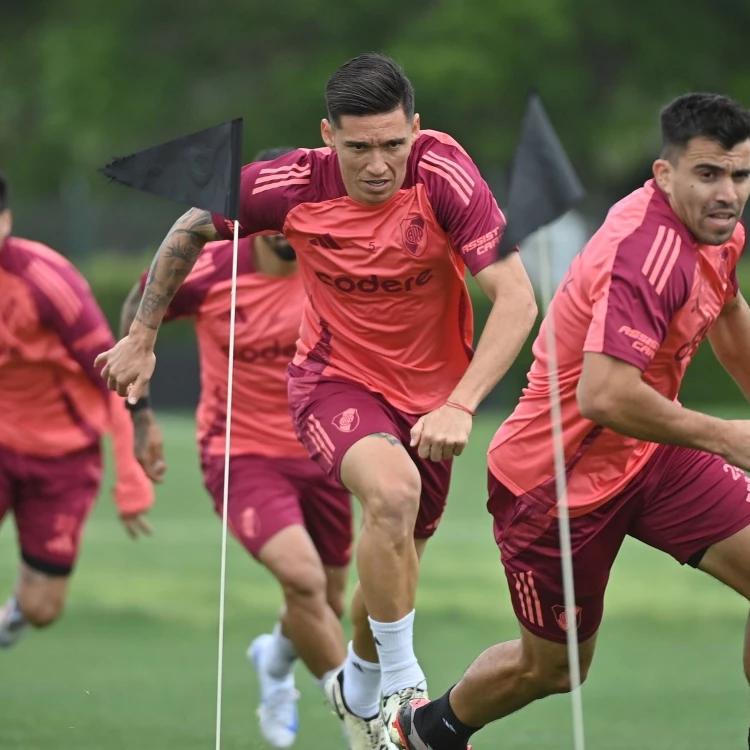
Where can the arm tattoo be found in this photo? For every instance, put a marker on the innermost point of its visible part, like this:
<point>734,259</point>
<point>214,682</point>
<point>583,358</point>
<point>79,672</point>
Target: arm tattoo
<point>129,310</point>
<point>173,262</point>
<point>387,436</point>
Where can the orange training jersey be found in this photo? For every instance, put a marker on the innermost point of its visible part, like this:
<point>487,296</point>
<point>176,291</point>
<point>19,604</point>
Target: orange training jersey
<point>387,305</point>
<point>643,291</point>
<point>52,399</point>
<point>267,318</point>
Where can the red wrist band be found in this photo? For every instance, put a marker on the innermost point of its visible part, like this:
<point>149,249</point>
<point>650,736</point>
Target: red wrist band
<point>455,405</point>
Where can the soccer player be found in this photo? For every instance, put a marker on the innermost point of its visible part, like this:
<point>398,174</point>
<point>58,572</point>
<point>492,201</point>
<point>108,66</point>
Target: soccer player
<point>289,514</point>
<point>384,219</point>
<point>654,281</point>
<point>55,409</point>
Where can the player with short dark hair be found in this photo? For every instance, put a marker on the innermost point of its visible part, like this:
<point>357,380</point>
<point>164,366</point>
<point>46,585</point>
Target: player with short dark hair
<point>385,219</point>
<point>657,278</point>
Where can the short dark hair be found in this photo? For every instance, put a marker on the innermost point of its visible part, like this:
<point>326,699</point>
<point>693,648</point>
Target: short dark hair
<point>370,84</point>
<point>4,193</point>
<point>711,116</point>
<point>269,154</point>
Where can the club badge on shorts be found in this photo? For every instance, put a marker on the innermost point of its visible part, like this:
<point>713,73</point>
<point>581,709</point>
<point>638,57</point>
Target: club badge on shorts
<point>561,616</point>
<point>347,421</point>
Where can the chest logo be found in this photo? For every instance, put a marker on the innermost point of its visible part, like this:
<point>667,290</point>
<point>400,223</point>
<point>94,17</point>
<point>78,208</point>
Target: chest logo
<point>414,235</point>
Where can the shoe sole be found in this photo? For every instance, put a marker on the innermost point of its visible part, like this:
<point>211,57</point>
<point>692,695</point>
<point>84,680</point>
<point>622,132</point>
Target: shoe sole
<point>402,735</point>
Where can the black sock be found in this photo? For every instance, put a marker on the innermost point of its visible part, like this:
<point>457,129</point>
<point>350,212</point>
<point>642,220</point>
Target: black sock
<point>440,728</point>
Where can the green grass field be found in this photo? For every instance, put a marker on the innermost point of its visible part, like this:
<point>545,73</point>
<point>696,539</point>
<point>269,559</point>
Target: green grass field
<point>132,666</point>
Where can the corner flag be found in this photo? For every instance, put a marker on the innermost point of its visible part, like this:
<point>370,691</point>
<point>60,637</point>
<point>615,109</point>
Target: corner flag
<point>543,183</point>
<point>201,169</point>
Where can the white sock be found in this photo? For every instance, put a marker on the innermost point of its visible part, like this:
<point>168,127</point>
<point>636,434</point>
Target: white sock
<point>398,664</point>
<point>281,655</point>
<point>361,686</point>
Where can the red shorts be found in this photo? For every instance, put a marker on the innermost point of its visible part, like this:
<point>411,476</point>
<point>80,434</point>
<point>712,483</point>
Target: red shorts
<point>50,499</point>
<point>331,415</point>
<point>682,502</point>
<point>266,495</point>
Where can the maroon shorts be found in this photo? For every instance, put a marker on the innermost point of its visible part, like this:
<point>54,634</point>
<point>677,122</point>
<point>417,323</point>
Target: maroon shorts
<point>267,495</point>
<point>682,502</point>
<point>331,415</point>
<point>50,499</point>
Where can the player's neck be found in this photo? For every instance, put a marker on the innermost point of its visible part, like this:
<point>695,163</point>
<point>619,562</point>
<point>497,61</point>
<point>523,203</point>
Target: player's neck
<point>267,262</point>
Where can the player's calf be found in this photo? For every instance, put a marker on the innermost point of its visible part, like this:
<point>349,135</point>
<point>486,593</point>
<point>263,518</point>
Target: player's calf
<point>310,625</point>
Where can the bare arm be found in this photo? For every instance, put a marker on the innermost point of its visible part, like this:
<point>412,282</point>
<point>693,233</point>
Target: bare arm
<point>148,440</point>
<point>174,260</point>
<point>129,309</point>
<point>612,393</point>
<point>508,325</point>
<point>443,433</point>
<point>730,340</point>
<point>128,366</point>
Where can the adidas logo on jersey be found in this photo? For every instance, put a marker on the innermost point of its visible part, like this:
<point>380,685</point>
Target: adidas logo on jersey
<point>325,240</point>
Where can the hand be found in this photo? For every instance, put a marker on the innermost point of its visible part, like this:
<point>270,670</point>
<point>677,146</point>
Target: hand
<point>442,433</point>
<point>136,525</point>
<point>149,445</point>
<point>738,441</point>
<point>128,367</point>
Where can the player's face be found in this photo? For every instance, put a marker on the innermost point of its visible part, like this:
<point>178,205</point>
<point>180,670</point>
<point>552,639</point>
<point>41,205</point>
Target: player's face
<point>372,151</point>
<point>707,186</point>
<point>6,225</point>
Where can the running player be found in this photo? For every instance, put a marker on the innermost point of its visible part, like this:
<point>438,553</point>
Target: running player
<point>55,409</point>
<point>385,219</point>
<point>655,280</point>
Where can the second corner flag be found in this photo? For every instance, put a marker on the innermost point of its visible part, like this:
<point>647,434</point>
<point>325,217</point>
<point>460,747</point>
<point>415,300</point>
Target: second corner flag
<point>543,183</point>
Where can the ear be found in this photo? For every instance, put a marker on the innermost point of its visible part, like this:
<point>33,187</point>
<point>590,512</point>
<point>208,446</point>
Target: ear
<point>415,126</point>
<point>326,133</point>
<point>662,170</point>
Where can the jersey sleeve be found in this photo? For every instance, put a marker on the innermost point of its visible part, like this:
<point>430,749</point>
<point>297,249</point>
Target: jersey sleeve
<point>268,191</point>
<point>190,296</point>
<point>635,300</point>
<point>67,306</point>
<point>463,203</point>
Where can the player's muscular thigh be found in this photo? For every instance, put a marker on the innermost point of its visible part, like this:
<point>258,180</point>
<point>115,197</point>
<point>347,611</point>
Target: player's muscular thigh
<point>378,471</point>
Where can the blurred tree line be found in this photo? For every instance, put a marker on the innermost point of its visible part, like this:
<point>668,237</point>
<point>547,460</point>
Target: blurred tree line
<point>83,80</point>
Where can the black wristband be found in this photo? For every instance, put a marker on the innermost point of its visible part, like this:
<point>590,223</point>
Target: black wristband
<point>144,402</point>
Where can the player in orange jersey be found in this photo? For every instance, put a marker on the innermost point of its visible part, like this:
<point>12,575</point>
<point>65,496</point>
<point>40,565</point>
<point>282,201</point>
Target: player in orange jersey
<point>55,409</point>
<point>385,220</point>
<point>655,280</point>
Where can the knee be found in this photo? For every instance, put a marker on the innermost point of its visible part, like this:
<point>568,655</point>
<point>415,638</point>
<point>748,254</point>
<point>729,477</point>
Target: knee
<point>304,585</point>
<point>392,507</point>
<point>42,612</point>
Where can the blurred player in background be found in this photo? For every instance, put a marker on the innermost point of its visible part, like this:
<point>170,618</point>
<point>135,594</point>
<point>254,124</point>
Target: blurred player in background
<point>290,515</point>
<point>385,220</point>
<point>655,280</point>
<point>55,409</point>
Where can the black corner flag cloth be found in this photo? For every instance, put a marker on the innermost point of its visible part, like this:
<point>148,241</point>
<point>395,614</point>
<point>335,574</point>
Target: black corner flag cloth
<point>543,183</point>
<point>201,170</point>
